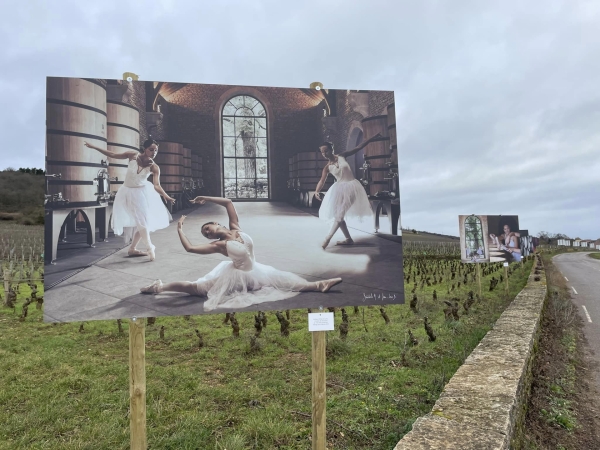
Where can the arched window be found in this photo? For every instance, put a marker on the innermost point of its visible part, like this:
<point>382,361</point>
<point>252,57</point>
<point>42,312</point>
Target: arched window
<point>245,152</point>
<point>474,244</point>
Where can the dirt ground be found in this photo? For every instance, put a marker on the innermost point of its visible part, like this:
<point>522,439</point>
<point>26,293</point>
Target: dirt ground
<point>564,406</point>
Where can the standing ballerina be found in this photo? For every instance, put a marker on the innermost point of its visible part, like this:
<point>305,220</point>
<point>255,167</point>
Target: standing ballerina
<point>137,205</point>
<point>241,282</point>
<point>346,198</point>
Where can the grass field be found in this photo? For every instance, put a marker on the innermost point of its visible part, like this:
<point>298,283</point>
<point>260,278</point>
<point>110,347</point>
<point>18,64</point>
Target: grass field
<point>66,386</point>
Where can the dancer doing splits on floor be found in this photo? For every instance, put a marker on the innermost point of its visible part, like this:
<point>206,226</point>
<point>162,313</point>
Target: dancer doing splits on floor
<point>242,281</point>
<point>138,209</point>
<point>346,198</point>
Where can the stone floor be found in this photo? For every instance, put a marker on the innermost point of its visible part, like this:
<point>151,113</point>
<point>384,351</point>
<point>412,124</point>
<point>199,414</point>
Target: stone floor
<point>285,237</point>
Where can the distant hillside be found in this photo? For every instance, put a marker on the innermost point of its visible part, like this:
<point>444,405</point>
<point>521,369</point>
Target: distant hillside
<point>22,196</point>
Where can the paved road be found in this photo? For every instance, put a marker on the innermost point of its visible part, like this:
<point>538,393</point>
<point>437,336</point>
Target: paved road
<point>582,274</point>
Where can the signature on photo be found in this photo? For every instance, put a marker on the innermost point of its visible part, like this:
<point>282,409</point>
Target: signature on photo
<point>373,296</point>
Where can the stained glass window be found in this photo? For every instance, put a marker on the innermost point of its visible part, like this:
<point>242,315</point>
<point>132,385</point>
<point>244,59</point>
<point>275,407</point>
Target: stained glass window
<point>474,244</point>
<point>245,149</point>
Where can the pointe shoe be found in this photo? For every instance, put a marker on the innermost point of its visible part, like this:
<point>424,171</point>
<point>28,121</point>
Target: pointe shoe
<point>136,252</point>
<point>325,285</point>
<point>345,242</point>
<point>326,242</point>
<point>151,253</point>
<point>153,288</point>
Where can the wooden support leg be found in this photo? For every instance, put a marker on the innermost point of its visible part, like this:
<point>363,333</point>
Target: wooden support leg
<point>54,219</point>
<point>89,216</point>
<point>137,384</point>
<point>377,212</point>
<point>318,390</point>
<point>102,217</point>
<point>395,218</point>
<point>63,229</point>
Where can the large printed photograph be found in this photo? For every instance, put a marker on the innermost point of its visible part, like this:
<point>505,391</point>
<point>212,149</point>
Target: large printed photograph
<point>504,239</point>
<point>493,239</point>
<point>169,199</point>
<point>474,246</point>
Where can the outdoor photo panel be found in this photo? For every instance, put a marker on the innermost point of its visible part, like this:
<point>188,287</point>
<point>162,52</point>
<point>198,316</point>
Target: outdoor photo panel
<point>526,243</point>
<point>503,239</point>
<point>254,239</point>
<point>474,245</point>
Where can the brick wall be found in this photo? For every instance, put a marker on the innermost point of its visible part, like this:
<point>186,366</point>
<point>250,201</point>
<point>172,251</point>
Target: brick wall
<point>379,101</point>
<point>294,126</point>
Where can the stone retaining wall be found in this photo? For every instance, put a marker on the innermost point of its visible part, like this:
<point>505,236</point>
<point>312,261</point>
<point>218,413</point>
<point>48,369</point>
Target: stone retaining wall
<point>483,405</point>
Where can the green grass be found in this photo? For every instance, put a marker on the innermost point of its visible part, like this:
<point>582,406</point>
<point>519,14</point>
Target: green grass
<point>595,255</point>
<point>65,389</point>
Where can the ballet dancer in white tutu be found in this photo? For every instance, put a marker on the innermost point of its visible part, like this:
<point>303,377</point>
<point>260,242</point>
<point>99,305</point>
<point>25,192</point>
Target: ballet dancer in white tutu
<point>346,198</point>
<point>242,281</point>
<point>138,209</point>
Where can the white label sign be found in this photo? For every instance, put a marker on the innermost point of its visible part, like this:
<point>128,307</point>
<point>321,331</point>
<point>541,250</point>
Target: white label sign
<point>505,264</point>
<point>320,321</point>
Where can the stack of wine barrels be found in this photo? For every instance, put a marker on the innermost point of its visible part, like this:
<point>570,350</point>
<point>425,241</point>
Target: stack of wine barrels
<point>170,160</point>
<point>195,174</point>
<point>377,153</point>
<point>187,164</point>
<point>309,168</point>
<point>391,120</point>
<point>123,122</point>
<point>291,172</point>
<point>75,113</point>
<point>196,166</point>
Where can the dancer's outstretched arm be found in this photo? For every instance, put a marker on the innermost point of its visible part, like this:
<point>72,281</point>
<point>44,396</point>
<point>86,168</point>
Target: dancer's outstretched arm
<point>360,147</point>
<point>202,249</point>
<point>156,181</point>
<point>321,182</point>
<point>129,154</point>
<point>234,221</point>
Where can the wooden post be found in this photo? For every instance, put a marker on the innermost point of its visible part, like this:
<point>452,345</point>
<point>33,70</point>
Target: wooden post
<point>137,384</point>
<point>318,390</point>
<point>479,278</point>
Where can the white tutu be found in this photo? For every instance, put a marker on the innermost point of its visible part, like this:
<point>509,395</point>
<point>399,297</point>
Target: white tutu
<point>228,287</point>
<point>345,200</point>
<point>242,281</point>
<point>138,206</point>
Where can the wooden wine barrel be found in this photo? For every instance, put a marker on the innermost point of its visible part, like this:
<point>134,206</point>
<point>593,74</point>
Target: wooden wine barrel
<point>170,160</point>
<point>75,113</point>
<point>195,173</point>
<point>391,113</point>
<point>187,163</point>
<point>123,125</point>
<point>290,171</point>
<point>391,120</point>
<point>309,167</point>
<point>295,171</point>
<point>377,153</point>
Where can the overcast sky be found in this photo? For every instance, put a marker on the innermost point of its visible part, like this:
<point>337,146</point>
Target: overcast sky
<point>498,103</point>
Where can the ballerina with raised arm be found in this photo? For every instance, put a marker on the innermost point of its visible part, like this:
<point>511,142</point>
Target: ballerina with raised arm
<point>242,281</point>
<point>346,198</point>
<point>138,209</point>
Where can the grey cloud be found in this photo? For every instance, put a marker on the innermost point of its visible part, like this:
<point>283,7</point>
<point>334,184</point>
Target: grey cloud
<point>498,103</point>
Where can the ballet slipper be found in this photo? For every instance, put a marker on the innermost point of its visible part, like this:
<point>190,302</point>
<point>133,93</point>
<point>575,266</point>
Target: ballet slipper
<point>325,285</point>
<point>153,288</point>
<point>345,242</point>
<point>151,253</point>
<point>135,252</point>
<point>326,242</point>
